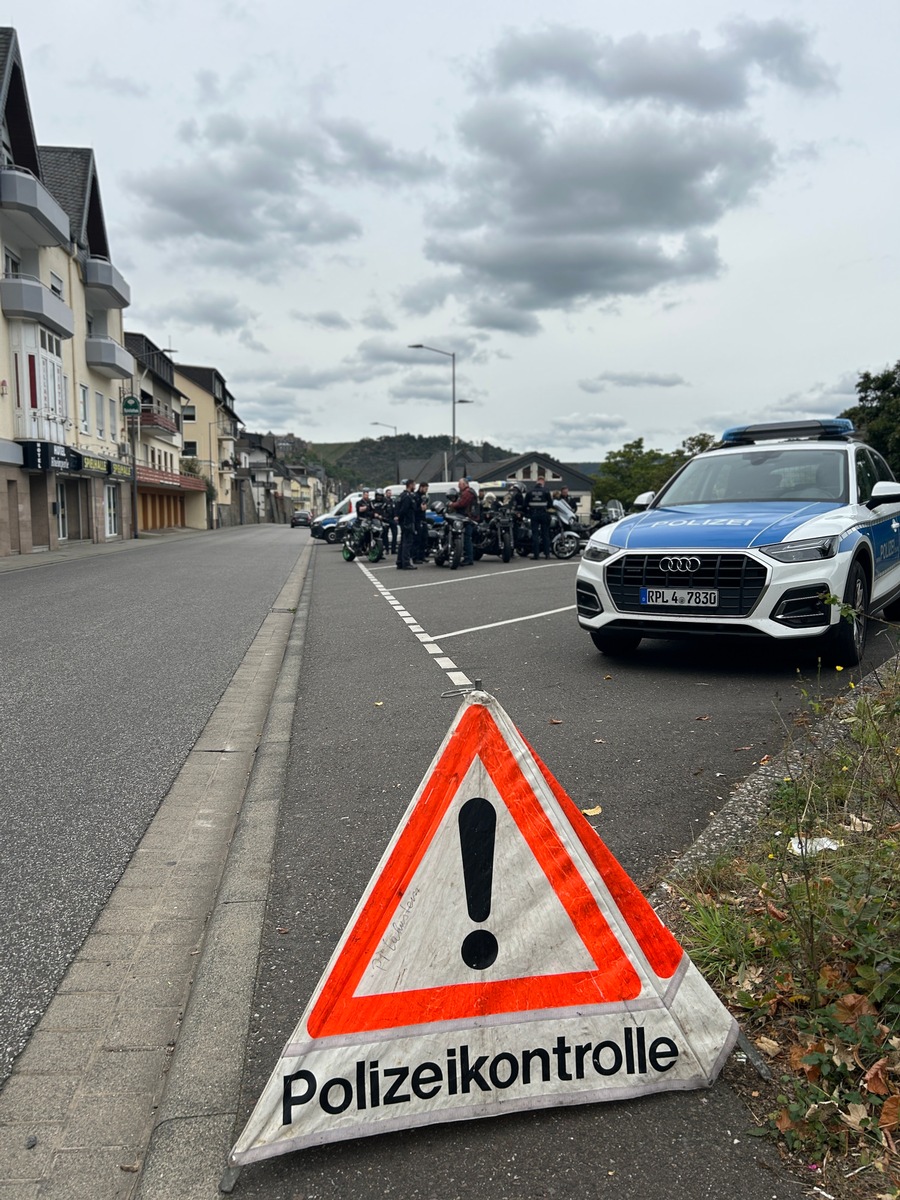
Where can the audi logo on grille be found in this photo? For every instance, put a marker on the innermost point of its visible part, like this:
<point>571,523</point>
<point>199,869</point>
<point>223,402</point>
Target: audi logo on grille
<point>671,564</point>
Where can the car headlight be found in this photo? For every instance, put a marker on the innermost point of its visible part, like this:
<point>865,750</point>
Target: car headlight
<point>598,551</point>
<point>809,550</point>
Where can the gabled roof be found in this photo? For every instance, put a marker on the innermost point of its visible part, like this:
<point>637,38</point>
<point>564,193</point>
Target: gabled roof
<point>506,467</point>
<point>70,174</point>
<point>14,104</point>
<point>205,377</point>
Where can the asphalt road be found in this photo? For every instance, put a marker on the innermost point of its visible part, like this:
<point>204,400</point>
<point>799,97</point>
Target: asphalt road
<point>110,666</point>
<point>656,742</point>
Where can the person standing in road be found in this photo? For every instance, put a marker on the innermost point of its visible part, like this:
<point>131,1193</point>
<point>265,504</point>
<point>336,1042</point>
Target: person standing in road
<point>406,516</point>
<point>539,501</point>
<point>389,517</point>
<point>420,547</point>
<point>464,504</point>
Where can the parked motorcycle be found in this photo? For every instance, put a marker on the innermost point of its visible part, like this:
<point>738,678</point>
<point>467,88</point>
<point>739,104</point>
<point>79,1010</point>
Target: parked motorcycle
<point>567,533</point>
<point>364,537</point>
<point>450,537</point>
<point>493,534</point>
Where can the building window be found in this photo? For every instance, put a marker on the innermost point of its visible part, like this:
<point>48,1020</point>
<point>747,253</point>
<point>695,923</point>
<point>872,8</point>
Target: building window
<point>11,265</point>
<point>100,406</point>
<point>190,449</point>
<point>189,412</point>
<point>113,423</point>
<point>51,375</point>
<point>56,285</point>
<point>83,397</point>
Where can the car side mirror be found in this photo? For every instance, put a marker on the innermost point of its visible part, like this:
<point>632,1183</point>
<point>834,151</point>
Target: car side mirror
<point>885,492</point>
<point>639,503</point>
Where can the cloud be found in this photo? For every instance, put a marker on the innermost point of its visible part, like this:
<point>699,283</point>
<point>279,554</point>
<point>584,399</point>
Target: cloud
<point>323,320</point>
<point>615,185</point>
<point>583,431</point>
<point>256,187</point>
<point>669,69</point>
<point>99,79</point>
<point>376,320</point>
<point>221,313</point>
<point>630,379</point>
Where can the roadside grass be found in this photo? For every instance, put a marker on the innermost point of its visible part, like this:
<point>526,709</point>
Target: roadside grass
<point>800,934</point>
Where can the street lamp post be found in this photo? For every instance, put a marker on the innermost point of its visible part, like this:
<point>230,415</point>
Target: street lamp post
<point>385,425</point>
<point>451,354</point>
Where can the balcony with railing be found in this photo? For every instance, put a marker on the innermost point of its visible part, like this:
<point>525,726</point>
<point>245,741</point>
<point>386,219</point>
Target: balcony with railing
<point>28,210</point>
<point>151,477</point>
<point>25,297</point>
<point>158,423</point>
<point>107,357</point>
<point>104,286</point>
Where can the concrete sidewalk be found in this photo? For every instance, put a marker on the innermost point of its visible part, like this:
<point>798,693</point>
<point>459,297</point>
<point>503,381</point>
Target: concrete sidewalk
<point>78,1110</point>
<point>80,550</point>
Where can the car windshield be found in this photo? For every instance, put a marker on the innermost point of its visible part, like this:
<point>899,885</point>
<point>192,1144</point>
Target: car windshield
<point>760,475</point>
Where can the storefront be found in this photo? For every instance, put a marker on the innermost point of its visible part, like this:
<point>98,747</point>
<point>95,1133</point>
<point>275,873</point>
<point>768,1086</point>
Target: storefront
<point>75,496</point>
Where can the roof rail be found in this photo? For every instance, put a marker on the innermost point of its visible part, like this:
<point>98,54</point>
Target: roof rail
<point>834,428</point>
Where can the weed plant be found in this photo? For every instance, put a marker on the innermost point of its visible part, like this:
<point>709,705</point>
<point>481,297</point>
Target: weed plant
<point>801,936</point>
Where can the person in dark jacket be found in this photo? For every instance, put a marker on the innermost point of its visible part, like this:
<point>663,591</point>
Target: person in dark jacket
<point>420,546</point>
<point>365,506</point>
<point>406,517</point>
<point>538,502</point>
<point>389,517</point>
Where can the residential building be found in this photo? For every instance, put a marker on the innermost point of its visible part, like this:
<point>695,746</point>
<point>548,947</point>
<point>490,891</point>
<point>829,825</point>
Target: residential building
<point>266,475</point>
<point>168,497</point>
<point>210,428</point>
<point>64,472</point>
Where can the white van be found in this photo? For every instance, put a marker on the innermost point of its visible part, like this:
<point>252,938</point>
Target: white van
<point>325,527</point>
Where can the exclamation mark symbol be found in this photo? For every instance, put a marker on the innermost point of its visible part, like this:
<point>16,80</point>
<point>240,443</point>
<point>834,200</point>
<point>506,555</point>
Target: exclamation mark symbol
<point>477,827</point>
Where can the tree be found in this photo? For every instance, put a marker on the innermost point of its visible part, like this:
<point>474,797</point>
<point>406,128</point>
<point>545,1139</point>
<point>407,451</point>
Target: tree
<point>877,415</point>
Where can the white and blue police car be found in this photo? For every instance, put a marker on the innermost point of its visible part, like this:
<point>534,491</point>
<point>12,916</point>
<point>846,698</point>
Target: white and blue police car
<point>770,534</point>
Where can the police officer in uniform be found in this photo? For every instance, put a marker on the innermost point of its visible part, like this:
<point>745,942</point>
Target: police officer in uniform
<point>420,548</point>
<point>389,516</point>
<point>538,501</point>
<point>406,516</point>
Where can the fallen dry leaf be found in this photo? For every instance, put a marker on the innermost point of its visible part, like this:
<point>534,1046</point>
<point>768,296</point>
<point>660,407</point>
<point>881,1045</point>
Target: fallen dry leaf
<point>704,718</point>
<point>851,1007</point>
<point>890,1114</point>
<point>765,758</point>
<point>599,741</point>
<point>379,703</point>
<point>778,913</point>
<point>607,676</point>
<point>555,721</point>
<point>875,1080</point>
<point>855,1115</point>
<point>593,812</point>
<point>768,1046</point>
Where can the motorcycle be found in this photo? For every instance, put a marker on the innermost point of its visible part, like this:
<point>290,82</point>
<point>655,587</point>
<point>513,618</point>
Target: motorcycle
<point>450,537</point>
<point>494,534</point>
<point>568,535</point>
<point>365,536</point>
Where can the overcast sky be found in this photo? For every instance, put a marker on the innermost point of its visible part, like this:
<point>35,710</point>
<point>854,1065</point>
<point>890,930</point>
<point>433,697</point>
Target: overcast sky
<point>627,220</point>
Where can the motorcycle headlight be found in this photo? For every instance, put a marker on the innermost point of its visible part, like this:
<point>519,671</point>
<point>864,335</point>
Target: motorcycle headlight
<point>809,550</point>
<point>598,551</point>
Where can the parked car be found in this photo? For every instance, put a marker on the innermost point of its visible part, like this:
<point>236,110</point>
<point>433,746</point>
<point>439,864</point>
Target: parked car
<point>301,517</point>
<point>771,534</point>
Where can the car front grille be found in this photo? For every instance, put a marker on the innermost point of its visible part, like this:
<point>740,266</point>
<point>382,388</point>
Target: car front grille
<point>738,579</point>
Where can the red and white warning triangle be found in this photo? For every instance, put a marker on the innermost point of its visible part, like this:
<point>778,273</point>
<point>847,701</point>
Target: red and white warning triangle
<point>500,959</point>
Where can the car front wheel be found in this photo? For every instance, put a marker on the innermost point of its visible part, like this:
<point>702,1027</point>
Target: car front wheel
<point>845,644</point>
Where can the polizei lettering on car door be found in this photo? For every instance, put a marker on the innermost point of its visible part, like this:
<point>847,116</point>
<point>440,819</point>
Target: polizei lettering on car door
<point>369,1085</point>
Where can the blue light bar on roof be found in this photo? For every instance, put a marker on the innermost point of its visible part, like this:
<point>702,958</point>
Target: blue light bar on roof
<point>834,427</point>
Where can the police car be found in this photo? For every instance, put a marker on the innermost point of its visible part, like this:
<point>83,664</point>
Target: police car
<point>771,534</point>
